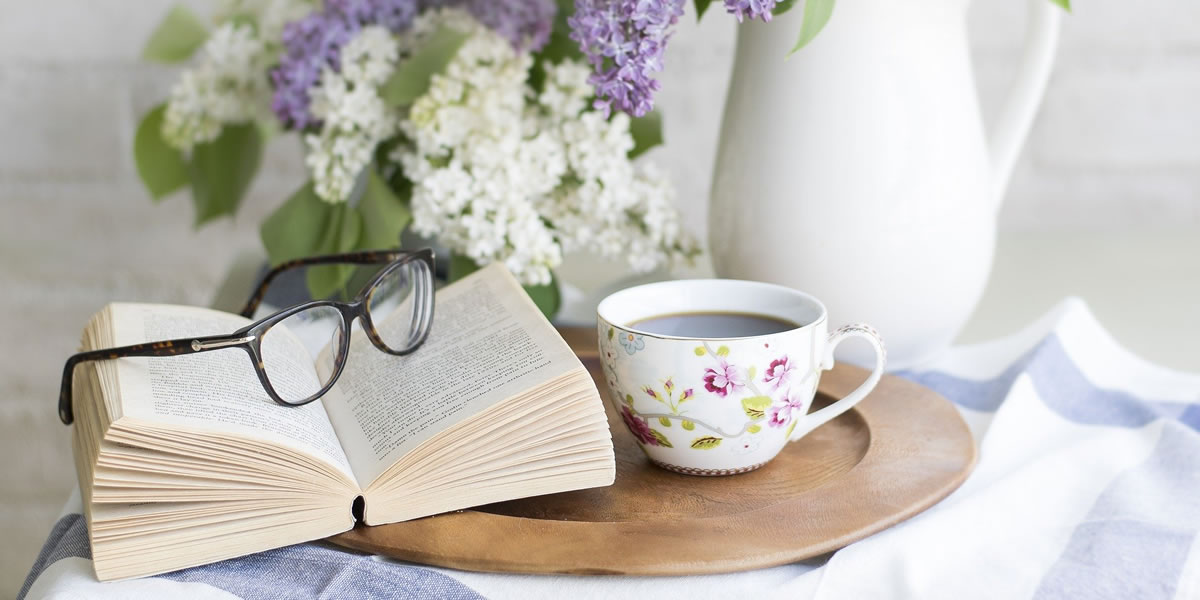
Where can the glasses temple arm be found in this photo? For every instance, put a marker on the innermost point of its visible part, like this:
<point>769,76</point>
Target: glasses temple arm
<point>176,347</point>
<point>365,257</point>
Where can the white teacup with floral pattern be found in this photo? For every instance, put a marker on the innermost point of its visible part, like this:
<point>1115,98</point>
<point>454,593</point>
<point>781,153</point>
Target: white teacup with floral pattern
<point>720,406</point>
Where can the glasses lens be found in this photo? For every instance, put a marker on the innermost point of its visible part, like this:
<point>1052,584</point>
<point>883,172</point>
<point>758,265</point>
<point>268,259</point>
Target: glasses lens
<point>291,345</point>
<point>397,305</point>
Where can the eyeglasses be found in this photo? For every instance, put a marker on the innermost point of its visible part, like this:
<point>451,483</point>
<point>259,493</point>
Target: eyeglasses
<point>396,308</point>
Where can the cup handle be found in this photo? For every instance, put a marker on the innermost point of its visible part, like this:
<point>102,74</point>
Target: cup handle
<point>814,420</point>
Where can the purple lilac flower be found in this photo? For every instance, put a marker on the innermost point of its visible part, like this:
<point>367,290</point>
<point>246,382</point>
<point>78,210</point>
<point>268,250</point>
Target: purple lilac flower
<point>525,23</point>
<point>315,41</point>
<point>752,9</point>
<point>624,41</point>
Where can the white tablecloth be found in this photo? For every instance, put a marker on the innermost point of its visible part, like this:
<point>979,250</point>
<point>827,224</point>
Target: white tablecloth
<point>1088,486</point>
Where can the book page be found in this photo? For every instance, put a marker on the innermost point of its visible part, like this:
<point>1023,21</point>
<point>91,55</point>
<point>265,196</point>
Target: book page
<point>488,343</point>
<point>218,390</point>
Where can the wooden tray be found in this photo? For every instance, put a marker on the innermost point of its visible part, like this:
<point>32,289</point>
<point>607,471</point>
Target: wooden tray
<point>898,452</point>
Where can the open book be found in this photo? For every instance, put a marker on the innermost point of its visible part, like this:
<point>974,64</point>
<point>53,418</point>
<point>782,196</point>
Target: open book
<point>185,460</point>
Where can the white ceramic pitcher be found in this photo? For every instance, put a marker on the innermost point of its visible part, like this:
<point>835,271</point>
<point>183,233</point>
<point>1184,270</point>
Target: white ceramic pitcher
<point>858,169</point>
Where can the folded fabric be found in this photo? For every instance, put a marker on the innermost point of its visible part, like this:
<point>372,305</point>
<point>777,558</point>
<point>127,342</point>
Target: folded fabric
<point>1087,486</point>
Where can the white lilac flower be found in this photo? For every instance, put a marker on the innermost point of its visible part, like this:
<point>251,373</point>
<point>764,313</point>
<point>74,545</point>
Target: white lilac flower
<point>228,85</point>
<point>354,119</point>
<point>501,174</point>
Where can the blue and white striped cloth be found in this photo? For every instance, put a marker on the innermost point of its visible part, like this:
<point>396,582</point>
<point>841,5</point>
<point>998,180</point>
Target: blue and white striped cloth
<point>1088,486</point>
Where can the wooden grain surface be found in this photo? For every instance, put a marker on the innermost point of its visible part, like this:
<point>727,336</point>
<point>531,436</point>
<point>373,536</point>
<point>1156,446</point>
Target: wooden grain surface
<point>898,452</point>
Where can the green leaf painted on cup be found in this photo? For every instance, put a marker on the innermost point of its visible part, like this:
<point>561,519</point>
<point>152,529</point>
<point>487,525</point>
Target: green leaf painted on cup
<point>699,351</point>
<point>723,351</point>
<point>751,372</point>
<point>756,406</point>
<point>610,333</point>
<point>662,439</point>
<point>789,431</point>
<point>665,422</point>
<point>754,429</point>
<point>688,425</point>
<point>629,399</point>
<point>707,442</point>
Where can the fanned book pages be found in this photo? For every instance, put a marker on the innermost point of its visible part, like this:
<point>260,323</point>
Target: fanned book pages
<point>185,460</point>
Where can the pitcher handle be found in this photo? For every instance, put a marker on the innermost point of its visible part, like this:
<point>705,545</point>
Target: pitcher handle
<point>1012,125</point>
<point>814,420</point>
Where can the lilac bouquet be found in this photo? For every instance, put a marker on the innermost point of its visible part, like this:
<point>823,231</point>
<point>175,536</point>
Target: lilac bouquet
<point>508,130</point>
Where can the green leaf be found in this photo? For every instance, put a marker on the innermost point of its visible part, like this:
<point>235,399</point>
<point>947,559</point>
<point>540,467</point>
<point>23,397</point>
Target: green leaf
<point>707,442</point>
<point>782,6</point>
<point>176,38</point>
<point>756,406</point>
<point>688,425</point>
<point>564,9</point>
<point>461,266</point>
<point>646,131</point>
<point>296,228</point>
<point>662,439</point>
<point>789,431</point>
<point>412,77</point>
<point>723,351</point>
<point>341,235</point>
<point>699,351</point>
<point>611,331</point>
<point>384,214</point>
<point>559,47</point>
<point>160,166</point>
<point>751,372</point>
<point>629,399</point>
<point>305,226</point>
<point>665,422</point>
<point>816,15</point>
<point>547,297</point>
<point>1065,4</point>
<point>221,170</point>
<point>754,429</point>
<point>701,6</point>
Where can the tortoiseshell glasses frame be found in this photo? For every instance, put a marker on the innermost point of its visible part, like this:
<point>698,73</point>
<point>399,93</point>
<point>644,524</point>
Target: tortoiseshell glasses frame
<point>249,338</point>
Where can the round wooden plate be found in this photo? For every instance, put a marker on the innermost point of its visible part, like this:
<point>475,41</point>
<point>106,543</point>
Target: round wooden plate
<point>898,452</point>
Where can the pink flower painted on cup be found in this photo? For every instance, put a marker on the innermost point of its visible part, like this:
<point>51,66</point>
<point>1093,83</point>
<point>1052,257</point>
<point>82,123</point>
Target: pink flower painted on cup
<point>787,408</point>
<point>779,373</point>
<point>723,379</point>
<point>638,427</point>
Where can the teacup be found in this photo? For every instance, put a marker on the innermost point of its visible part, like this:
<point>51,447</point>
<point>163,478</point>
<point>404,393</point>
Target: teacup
<point>721,406</point>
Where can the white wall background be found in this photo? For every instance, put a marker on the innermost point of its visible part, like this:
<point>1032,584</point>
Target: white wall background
<point>1116,146</point>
